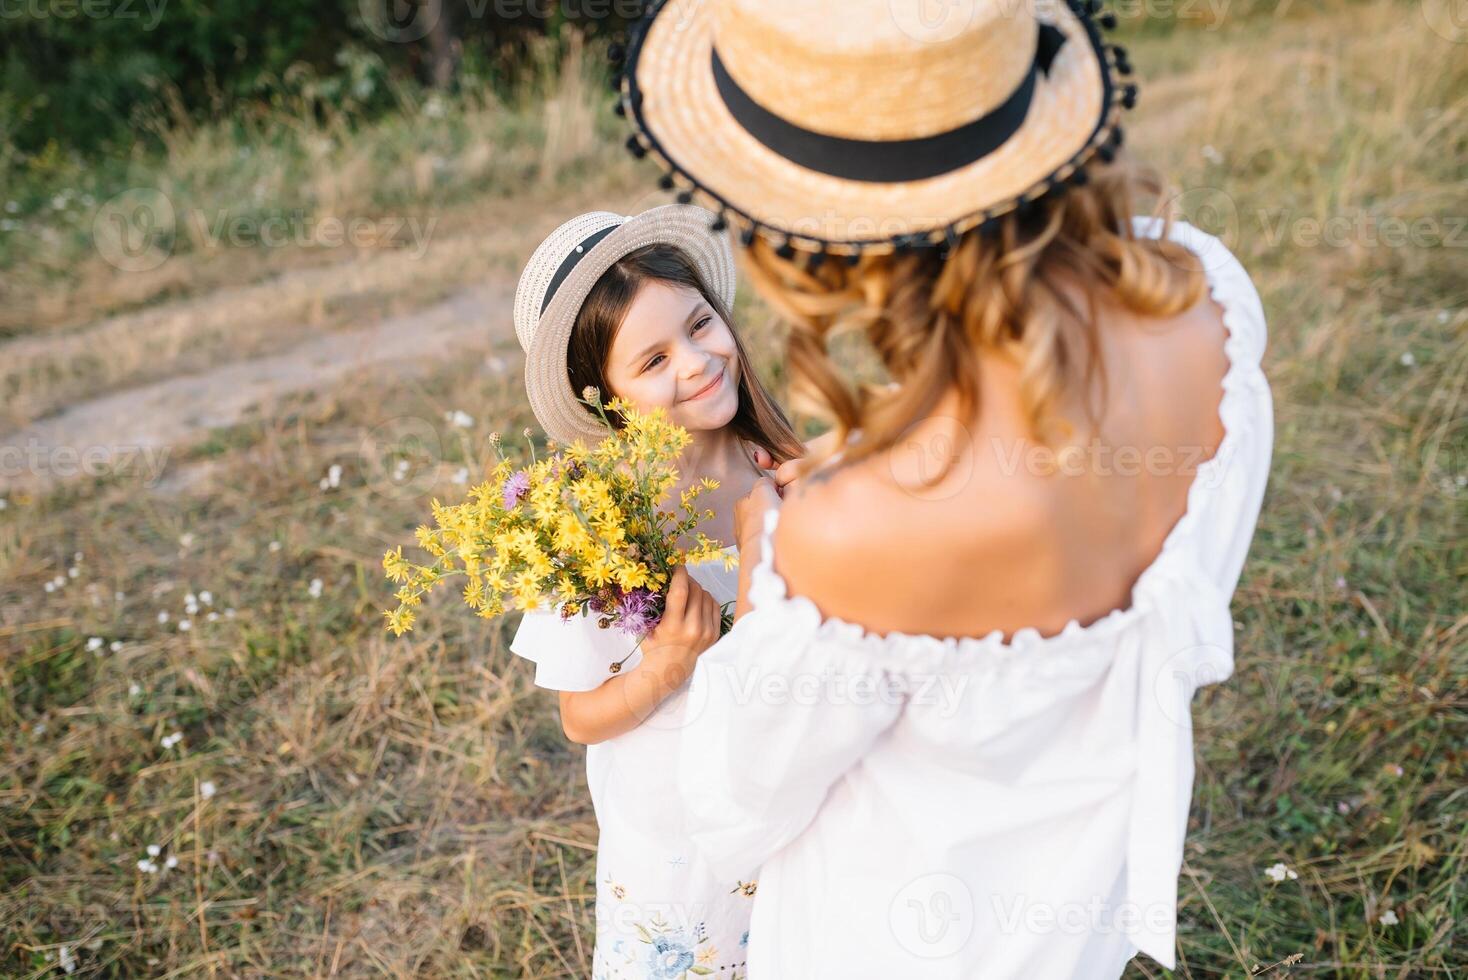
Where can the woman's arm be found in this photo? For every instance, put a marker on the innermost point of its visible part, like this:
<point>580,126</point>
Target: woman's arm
<point>749,521</point>
<point>689,626</point>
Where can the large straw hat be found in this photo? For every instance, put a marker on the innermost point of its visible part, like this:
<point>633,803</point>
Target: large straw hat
<point>846,126</point>
<point>562,272</point>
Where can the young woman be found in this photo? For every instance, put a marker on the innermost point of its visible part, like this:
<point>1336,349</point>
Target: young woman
<point>972,639</point>
<point>639,308</point>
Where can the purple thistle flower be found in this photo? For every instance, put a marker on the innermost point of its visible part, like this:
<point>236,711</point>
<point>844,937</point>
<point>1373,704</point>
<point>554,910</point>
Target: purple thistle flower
<point>637,613</point>
<point>515,489</point>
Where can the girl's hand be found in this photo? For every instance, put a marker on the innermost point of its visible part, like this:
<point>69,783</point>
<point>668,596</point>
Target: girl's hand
<point>690,625</point>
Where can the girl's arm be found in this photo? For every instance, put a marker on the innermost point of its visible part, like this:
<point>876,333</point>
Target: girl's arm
<point>690,625</point>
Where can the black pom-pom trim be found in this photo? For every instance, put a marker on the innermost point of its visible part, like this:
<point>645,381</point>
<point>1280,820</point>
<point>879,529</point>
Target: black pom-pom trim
<point>666,182</point>
<point>616,53</point>
<point>615,82</point>
<point>635,147</point>
<point>1129,97</point>
<point>786,250</point>
<point>853,258</point>
<point>620,110</point>
<point>1107,21</point>
<point>719,223</point>
<point>746,237</point>
<point>684,197</point>
<point>816,260</point>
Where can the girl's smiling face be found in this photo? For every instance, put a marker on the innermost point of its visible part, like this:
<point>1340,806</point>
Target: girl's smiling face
<point>674,351</point>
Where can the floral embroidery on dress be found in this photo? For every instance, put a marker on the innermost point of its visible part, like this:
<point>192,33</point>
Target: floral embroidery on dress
<point>670,952</point>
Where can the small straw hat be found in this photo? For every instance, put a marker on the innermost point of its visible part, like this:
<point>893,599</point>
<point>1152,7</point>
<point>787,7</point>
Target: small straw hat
<point>563,271</point>
<point>849,126</point>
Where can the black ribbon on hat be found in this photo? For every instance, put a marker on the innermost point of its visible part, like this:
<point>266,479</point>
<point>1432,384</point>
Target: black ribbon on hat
<point>571,261</point>
<point>891,161</point>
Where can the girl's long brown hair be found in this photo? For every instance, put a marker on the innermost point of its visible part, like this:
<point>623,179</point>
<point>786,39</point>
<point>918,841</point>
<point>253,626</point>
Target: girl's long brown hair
<point>759,419</point>
<point>927,317</point>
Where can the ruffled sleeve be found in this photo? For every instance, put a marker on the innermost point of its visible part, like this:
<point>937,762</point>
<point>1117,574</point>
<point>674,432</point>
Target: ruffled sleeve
<point>572,654</point>
<point>775,716</point>
<point>1188,640</point>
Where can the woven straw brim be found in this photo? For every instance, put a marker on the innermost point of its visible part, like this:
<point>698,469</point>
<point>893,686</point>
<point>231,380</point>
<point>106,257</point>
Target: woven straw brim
<point>558,409</point>
<point>670,95</point>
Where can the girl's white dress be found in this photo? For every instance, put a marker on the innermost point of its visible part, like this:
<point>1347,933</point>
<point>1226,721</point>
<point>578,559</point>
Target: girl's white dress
<point>661,911</point>
<point>923,807</point>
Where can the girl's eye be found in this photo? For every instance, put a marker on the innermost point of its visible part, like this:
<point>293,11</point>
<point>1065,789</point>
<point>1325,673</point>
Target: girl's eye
<point>696,327</point>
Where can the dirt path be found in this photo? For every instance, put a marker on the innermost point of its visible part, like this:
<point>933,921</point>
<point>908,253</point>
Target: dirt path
<point>135,430</point>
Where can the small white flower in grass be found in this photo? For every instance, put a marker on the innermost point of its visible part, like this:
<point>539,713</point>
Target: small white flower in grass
<point>171,862</point>
<point>1388,918</point>
<point>229,613</point>
<point>1279,871</point>
<point>206,597</point>
<point>40,728</point>
<point>314,589</point>
<point>115,646</point>
<point>1407,359</point>
<point>94,644</point>
<point>147,866</point>
<point>134,690</point>
<point>4,503</point>
<point>169,741</point>
<point>154,850</point>
<point>76,556</point>
<point>68,962</point>
<point>1340,582</point>
<point>333,477</point>
<point>163,616</point>
<point>212,616</point>
<point>118,596</point>
<point>207,790</point>
<point>185,625</point>
<point>459,419</point>
<point>186,539</point>
<point>275,546</point>
<point>461,475</point>
<point>73,572</point>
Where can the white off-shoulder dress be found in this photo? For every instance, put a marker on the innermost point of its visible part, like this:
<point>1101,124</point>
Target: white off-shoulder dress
<point>662,913</point>
<point>926,807</point>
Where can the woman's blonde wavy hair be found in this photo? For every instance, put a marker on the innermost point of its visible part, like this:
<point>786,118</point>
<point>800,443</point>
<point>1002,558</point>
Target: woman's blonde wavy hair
<point>928,317</point>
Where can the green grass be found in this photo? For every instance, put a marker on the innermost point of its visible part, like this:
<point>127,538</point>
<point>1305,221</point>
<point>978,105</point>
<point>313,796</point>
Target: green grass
<point>410,807</point>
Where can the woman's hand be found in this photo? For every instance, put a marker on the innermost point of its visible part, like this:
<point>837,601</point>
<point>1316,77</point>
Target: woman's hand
<point>789,471</point>
<point>690,625</point>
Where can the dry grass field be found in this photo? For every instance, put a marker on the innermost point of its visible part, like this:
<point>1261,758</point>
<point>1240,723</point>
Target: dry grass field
<point>192,656</point>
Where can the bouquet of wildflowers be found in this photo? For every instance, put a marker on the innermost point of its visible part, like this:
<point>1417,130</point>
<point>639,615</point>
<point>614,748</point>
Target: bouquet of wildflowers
<point>582,529</point>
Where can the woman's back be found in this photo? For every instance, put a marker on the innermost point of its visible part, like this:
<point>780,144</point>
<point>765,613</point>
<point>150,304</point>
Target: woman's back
<point>1017,535</point>
<point>1008,796</point>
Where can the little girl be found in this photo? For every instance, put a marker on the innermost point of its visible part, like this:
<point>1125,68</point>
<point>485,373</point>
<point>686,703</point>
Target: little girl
<point>639,308</point>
